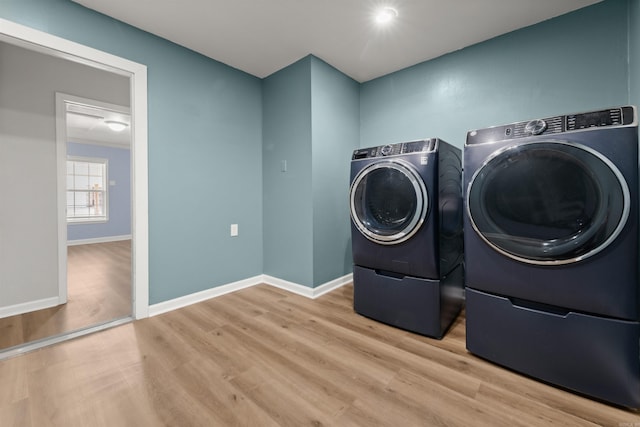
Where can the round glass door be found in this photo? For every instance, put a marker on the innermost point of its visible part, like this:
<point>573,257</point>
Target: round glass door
<point>388,201</point>
<point>548,202</point>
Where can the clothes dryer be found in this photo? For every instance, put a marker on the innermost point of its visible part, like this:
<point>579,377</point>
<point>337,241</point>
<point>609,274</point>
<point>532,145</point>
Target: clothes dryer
<point>551,242</point>
<point>406,217</point>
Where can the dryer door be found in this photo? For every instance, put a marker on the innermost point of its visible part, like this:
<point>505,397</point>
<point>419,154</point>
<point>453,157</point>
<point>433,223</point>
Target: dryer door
<point>548,202</point>
<point>388,201</point>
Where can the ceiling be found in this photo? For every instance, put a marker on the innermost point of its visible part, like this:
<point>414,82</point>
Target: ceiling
<point>88,124</point>
<point>261,37</point>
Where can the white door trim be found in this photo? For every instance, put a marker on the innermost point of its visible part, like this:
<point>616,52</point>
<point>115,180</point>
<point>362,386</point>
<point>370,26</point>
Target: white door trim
<point>62,99</point>
<point>61,161</point>
<point>26,37</point>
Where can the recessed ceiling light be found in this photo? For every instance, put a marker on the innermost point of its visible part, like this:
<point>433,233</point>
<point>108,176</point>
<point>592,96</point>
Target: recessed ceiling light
<point>386,15</point>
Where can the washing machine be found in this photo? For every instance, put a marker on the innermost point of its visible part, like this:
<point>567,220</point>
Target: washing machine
<point>406,221</point>
<point>551,250</point>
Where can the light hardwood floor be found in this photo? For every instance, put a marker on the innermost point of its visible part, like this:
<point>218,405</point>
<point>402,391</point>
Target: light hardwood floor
<point>98,290</point>
<point>266,357</point>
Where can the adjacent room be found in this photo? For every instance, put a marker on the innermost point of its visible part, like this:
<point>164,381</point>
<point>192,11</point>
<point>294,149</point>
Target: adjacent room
<point>295,213</point>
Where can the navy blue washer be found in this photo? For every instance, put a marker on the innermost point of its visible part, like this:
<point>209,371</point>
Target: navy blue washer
<point>551,250</point>
<point>406,219</point>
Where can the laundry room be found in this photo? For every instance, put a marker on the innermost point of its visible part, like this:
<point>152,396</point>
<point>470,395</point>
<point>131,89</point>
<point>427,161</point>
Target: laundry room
<point>242,224</point>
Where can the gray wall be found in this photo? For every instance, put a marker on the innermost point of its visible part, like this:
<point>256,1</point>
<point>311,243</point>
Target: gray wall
<point>28,217</point>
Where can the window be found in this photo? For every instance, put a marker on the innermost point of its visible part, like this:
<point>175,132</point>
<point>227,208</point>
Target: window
<point>86,190</point>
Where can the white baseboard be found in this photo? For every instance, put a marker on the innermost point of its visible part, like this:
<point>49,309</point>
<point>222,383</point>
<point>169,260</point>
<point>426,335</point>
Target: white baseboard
<point>306,291</point>
<point>106,239</point>
<point>292,287</point>
<point>295,288</point>
<point>27,307</point>
<point>332,285</point>
<point>186,300</point>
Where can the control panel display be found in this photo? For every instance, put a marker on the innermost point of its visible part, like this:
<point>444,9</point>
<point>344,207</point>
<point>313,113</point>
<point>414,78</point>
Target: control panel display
<point>417,146</point>
<point>594,119</point>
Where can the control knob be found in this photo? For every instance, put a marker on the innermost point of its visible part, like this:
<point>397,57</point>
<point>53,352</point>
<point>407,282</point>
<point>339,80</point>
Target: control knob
<point>386,150</point>
<point>535,127</point>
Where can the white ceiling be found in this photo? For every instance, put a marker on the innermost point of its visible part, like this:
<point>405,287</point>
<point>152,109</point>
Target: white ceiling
<point>87,124</point>
<point>264,36</point>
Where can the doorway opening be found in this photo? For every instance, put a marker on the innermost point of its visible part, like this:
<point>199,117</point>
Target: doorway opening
<point>16,36</point>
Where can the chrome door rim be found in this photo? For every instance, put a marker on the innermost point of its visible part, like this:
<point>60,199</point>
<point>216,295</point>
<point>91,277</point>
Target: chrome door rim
<point>621,223</point>
<point>421,195</point>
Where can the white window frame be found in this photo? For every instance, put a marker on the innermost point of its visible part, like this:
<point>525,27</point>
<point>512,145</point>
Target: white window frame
<point>100,219</point>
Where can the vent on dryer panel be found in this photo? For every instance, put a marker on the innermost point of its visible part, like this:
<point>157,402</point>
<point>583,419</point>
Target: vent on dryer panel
<point>555,125</point>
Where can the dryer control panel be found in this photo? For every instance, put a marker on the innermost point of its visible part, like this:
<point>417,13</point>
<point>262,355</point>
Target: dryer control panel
<point>621,116</point>
<point>419,146</point>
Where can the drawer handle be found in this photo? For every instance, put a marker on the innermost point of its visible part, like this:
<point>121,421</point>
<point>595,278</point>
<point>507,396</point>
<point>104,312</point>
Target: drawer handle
<point>539,307</point>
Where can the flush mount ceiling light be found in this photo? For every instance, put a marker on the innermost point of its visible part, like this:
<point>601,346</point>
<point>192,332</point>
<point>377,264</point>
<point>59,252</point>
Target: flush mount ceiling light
<point>116,126</point>
<point>385,15</point>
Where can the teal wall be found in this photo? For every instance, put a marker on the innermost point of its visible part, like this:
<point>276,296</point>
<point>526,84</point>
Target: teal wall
<point>634,52</point>
<point>288,216</point>
<point>335,134</point>
<point>310,120</point>
<point>572,63</point>
<point>217,136</point>
<point>205,143</point>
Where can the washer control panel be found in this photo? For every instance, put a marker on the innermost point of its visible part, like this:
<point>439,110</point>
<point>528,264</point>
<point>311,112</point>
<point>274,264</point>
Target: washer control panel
<point>419,146</point>
<point>621,116</point>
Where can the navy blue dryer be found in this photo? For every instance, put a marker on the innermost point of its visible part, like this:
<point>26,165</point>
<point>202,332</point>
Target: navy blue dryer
<point>551,250</point>
<point>406,216</point>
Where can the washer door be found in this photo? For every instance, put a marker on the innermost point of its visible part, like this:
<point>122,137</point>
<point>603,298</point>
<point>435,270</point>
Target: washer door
<point>388,201</point>
<point>548,202</point>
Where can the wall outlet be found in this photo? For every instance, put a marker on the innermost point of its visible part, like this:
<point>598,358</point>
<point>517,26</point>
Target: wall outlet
<point>234,230</point>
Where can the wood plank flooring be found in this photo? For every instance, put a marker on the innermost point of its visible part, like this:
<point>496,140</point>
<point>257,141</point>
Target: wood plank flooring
<point>266,357</point>
<point>98,290</point>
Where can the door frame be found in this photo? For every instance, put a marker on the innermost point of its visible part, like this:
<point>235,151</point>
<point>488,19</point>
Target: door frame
<point>42,42</point>
<point>62,99</point>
